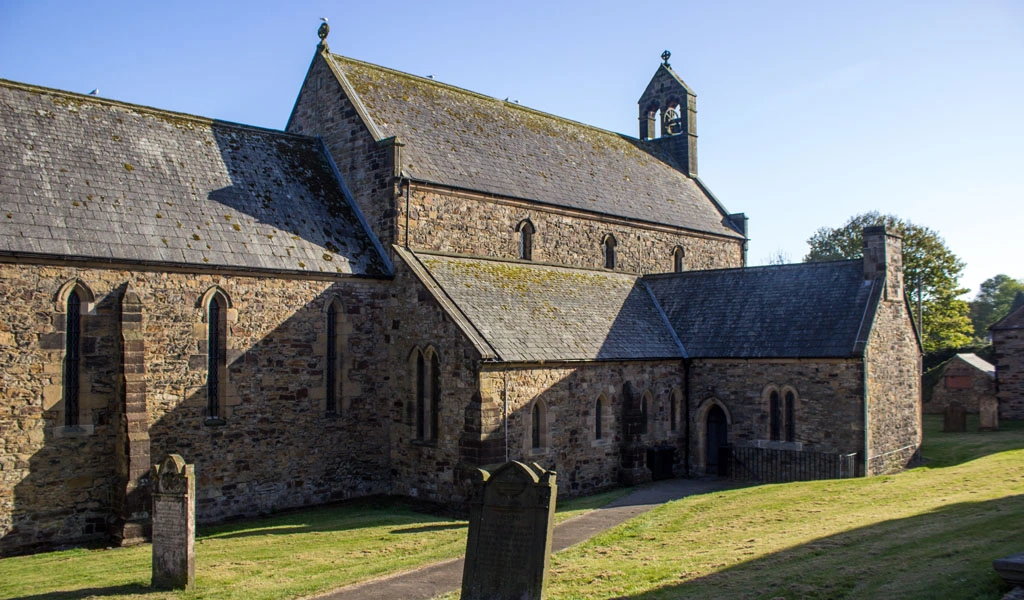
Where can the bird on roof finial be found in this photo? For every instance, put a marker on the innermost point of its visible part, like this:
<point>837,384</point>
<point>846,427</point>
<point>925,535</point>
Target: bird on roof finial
<point>665,56</point>
<point>323,31</point>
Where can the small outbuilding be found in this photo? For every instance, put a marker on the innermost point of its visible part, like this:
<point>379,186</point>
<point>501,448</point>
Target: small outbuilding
<point>967,379</point>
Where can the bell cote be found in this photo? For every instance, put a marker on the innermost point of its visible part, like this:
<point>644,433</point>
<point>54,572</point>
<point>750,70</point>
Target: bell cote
<point>668,116</point>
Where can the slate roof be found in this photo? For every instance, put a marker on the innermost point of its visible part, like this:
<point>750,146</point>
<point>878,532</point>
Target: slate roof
<point>978,363</point>
<point>805,310</point>
<point>462,139</point>
<point>531,312</point>
<point>88,178</point>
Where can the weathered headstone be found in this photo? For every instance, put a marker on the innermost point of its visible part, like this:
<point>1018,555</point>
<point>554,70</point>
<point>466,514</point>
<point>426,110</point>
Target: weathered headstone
<point>1010,568</point>
<point>174,524</point>
<point>988,414</point>
<point>509,540</point>
<point>956,418</point>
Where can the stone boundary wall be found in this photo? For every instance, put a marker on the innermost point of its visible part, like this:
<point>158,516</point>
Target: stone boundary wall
<point>829,410</point>
<point>277,447</point>
<point>465,223</point>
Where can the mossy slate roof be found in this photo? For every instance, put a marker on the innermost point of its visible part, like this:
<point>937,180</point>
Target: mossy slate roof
<point>530,313</point>
<point>88,178</point>
<point>807,310</point>
<point>461,139</point>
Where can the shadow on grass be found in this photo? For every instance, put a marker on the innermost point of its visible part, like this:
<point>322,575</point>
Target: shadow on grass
<point>343,516</point>
<point>946,553</point>
<point>429,528</point>
<point>117,590</point>
<point>942,449</point>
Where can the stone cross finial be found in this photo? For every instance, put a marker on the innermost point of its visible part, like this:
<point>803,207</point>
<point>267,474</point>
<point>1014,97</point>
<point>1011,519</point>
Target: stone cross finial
<point>665,56</point>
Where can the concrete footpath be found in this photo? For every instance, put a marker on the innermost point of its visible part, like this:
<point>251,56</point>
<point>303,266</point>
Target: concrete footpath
<point>439,578</point>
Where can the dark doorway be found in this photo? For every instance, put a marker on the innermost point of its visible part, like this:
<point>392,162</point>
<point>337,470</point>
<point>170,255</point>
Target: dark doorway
<point>716,436</point>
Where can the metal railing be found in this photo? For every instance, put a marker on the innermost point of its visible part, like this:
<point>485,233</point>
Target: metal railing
<point>773,465</point>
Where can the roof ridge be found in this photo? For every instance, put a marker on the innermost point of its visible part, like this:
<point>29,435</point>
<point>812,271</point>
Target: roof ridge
<point>145,108</point>
<point>506,103</point>
<point>747,269</point>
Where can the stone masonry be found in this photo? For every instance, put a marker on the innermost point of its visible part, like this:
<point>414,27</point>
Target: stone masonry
<point>1008,341</point>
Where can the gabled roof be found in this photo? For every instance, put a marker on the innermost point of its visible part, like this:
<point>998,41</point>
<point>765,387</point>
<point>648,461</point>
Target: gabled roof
<point>531,312</point>
<point>461,139</point>
<point>83,178</point>
<point>1015,318</point>
<point>977,362</point>
<point>808,310</point>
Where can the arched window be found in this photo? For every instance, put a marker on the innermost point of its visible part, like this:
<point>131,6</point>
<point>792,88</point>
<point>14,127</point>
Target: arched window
<point>427,391</point>
<point>644,403</point>
<point>677,259</point>
<point>609,251</point>
<point>598,416</point>
<point>216,353</point>
<point>790,425</point>
<point>775,416</point>
<point>421,396</point>
<point>674,409</point>
<point>332,366</point>
<point>72,358</point>
<point>435,395</point>
<point>526,231</point>
<point>538,426</point>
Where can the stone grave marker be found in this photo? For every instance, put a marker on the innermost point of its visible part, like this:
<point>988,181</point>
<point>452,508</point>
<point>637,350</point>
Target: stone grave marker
<point>509,540</point>
<point>174,524</point>
<point>988,414</point>
<point>956,418</point>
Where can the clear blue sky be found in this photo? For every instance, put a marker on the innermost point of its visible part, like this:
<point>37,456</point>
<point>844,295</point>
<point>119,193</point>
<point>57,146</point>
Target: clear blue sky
<point>808,112</point>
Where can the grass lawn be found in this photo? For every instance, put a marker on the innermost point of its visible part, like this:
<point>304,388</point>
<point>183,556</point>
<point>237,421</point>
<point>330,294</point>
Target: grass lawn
<point>287,556</point>
<point>928,533</point>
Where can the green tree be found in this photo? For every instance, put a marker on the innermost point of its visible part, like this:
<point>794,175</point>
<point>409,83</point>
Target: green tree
<point>993,302</point>
<point>926,260</point>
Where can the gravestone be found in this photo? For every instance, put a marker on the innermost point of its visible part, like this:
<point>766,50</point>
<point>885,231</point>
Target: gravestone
<point>988,414</point>
<point>174,524</point>
<point>956,418</point>
<point>509,540</point>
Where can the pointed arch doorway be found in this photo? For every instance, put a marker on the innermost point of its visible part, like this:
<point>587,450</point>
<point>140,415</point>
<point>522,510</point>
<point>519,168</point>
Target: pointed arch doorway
<point>716,435</point>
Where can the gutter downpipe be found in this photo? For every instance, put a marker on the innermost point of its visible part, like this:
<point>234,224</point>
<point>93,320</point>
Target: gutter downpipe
<point>504,377</point>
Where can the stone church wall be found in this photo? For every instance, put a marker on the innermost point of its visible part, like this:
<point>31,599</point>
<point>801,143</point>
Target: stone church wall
<point>277,447</point>
<point>1009,359</point>
<point>893,375</point>
<point>569,395</point>
<point>465,223</point>
<point>828,415</point>
<point>427,468</point>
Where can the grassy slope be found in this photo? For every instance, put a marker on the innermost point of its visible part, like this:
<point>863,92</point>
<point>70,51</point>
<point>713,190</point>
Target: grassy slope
<point>928,533</point>
<point>286,556</point>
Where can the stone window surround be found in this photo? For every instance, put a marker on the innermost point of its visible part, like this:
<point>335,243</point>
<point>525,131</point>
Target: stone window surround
<point>675,408</point>
<point>787,428</point>
<point>527,231</point>
<point>646,405</point>
<point>700,422</point>
<point>538,408</point>
<point>678,259</point>
<point>87,309</point>
<point>226,398</point>
<point>606,422</point>
<point>425,390</point>
<point>341,401</point>
<point>608,244</point>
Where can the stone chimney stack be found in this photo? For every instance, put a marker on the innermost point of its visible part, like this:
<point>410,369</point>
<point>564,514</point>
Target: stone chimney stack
<point>883,260</point>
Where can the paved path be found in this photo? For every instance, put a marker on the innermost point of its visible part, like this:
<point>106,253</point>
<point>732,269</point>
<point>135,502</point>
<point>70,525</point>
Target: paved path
<point>439,578</point>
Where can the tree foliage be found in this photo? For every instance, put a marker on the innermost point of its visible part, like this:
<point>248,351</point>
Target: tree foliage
<point>926,262</point>
<point>993,302</point>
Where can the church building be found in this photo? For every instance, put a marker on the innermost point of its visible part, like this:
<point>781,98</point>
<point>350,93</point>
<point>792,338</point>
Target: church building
<point>412,281</point>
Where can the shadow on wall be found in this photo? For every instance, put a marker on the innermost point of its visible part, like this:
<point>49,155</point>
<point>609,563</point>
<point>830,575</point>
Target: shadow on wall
<point>945,553</point>
<point>275,447</point>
